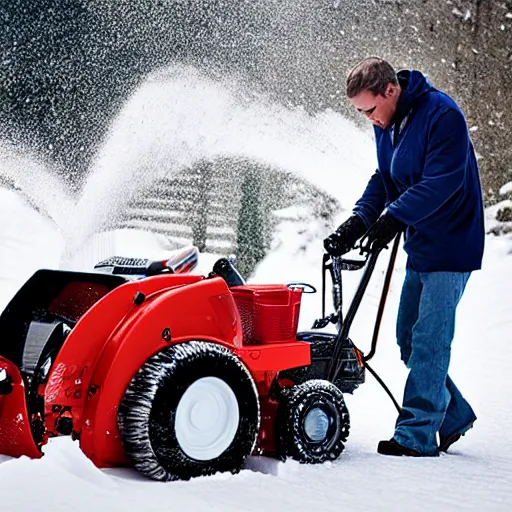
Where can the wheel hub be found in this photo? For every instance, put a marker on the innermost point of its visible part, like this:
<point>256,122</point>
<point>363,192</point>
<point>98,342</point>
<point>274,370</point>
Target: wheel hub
<point>207,418</point>
<point>316,424</point>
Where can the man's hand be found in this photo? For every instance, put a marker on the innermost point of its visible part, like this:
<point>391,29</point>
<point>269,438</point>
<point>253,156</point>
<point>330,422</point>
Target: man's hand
<point>345,237</point>
<point>381,233</point>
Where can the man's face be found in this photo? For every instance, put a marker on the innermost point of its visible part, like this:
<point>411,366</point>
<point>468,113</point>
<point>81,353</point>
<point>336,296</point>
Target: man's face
<point>378,108</point>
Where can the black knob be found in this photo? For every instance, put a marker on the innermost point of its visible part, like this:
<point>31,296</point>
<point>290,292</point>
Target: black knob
<point>225,269</point>
<point>139,298</point>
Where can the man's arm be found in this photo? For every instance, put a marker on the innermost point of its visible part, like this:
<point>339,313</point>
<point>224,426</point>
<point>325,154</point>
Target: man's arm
<point>443,173</point>
<point>373,200</point>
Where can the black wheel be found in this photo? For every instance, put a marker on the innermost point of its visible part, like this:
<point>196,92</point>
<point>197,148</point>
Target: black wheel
<point>191,410</point>
<point>312,423</point>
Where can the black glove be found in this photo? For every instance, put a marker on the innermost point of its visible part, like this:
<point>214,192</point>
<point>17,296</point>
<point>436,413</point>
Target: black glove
<point>345,237</point>
<point>381,233</point>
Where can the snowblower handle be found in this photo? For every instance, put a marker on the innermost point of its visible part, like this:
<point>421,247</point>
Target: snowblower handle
<point>370,262</point>
<point>338,265</point>
<point>335,265</point>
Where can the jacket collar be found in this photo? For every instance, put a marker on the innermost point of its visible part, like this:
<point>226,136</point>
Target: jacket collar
<point>414,86</point>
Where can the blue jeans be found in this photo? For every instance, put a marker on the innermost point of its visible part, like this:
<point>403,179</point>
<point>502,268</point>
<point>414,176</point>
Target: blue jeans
<point>425,329</point>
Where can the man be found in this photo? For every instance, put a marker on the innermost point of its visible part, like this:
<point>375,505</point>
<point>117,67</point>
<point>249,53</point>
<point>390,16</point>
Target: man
<point>428,184</point>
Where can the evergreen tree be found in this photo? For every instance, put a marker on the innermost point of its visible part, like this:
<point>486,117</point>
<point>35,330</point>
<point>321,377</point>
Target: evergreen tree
<point>250,230</point>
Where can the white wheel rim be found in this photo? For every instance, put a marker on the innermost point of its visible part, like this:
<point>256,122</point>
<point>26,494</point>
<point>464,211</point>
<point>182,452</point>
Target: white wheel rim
<point>207,418</point>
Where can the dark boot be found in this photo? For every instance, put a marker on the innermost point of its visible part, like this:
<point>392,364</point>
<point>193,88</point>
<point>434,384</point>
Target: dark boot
<point>447,441</point>
<point>391,447</point>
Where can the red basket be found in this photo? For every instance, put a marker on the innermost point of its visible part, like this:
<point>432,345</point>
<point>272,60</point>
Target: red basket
<point>269,313</point>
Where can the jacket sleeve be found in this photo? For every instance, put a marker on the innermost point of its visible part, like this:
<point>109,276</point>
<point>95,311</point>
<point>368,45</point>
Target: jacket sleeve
<point>443,172</point>
<point>373,200</point>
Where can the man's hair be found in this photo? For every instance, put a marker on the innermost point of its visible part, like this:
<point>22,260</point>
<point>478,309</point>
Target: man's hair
<point>371,74</point>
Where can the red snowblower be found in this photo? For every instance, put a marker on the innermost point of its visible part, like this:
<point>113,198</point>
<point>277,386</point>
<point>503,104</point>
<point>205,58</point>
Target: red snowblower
<point>178,375</point>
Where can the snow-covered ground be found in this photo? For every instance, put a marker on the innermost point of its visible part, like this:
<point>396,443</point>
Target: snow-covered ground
<point>474,475</point>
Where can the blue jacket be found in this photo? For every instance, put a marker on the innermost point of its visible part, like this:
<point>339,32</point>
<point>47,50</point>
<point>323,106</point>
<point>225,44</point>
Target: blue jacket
<point>428,179</point>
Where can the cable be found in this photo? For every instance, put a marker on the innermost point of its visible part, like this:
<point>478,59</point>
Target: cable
<point>381,382</point>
